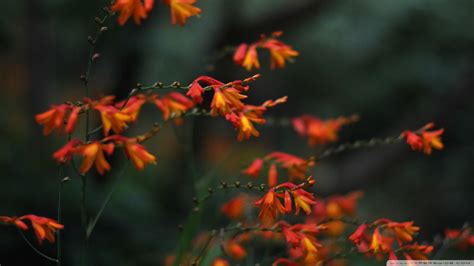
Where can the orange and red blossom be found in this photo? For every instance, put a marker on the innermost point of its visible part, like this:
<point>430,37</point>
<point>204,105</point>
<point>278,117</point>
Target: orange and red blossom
<point>302,198</point>
<point>54,119</point>
<point>296,166</point>
<point>181,10</point>
<point>246,55</point>
<point>416,252</point>
<point>93,154</point>
<point>234,208</point>
<point>196,90</point>
<point>137,9</point>
<point>134,151</point>
<point>270,207</point>
<point>173,104</point>
<point>64,154</point>
<point>321,131</point>
<point>403,231</point>
<point>220,262</point>
<point>111,116</point>
<point>132,106</point>
<point>463,237</point>
<point>254,168</point>
<point>45,228</point>
<point>424,140</point>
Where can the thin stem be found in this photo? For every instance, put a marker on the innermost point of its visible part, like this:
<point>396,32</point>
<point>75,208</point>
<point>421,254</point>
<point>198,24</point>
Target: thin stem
<point>58,232</point>
<point>35,249</point>
<point>203,250</point>
<point>356,145</point>
<point>93,223</point>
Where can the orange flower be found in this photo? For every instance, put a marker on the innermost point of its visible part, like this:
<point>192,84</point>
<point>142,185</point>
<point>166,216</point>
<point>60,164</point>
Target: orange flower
<point>45,228</point>
<point>417,252</point>
<point>247,55</point>
<point>53,119</point>
<point>173,104</point>
<point>220,262</point>
<point>226,100</point>
<point>270,207</point>
<point>112,117</point>
<point>321,131</point>
<point>302,241</point>
<point>302,198</point>
<point>15,221</point>
<point>464,237</point>
<point>234,208</point>
<point>133,106</point>
<point>93,153</point>
<point>134,151</point>
<point>254,169</point>
<point>272,175</point>
<point>403,231</point>
<point>136,8</point>
<point>424,140</point>
<point>235,250</point>
<point>279,52</point>
<point>181,10</point>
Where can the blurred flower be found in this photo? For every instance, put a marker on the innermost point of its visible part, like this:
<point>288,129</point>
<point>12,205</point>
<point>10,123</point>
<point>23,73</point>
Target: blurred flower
<point>254,169</point>
<point>93,153</point>
<point>234,208</point>
<point>137,8</point>
<point>247,55</point>
<point>173,104</point>
<point>272,175</point>
<point>64,154</point>
<point>54,119</point>
<point>321,131</point>
<point>416,252</point>
<point>220,262</point>
<point>424,140</point>
<point>302,198</point>
<point>15,221</point>
<point>181,10</point>
<point>302,241</point>
<point>133,106</point>
<point>403,231</point>
<point>296,166</point>
<point>464,237</point>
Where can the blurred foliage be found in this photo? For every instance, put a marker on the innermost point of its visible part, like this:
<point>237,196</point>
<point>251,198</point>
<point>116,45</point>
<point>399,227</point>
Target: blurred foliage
<point>398,64</point>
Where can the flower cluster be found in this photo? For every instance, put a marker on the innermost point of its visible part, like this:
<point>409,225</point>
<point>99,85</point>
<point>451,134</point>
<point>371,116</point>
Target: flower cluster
<point>181,10</point>
<point>291,194</point>
<point>246,55</point>
<point>320,131</point>
<point>463,238</point>
<point>387,238</point>
<point>44,228</point>
<point>423,139</point>
<point>296,167</point>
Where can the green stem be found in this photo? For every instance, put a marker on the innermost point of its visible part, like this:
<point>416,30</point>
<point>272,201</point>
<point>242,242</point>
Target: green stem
<point>35,249</point>
<point>94,221</point>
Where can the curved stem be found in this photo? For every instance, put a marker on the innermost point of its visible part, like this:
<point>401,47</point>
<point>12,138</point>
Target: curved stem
<point>35,249</point>
<point>356,145</point>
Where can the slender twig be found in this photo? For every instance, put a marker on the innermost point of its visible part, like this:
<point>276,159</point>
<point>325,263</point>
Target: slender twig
<point>357,145</point>
<point>96,218</point>
<point>35,249</point>
<point>204,248</point>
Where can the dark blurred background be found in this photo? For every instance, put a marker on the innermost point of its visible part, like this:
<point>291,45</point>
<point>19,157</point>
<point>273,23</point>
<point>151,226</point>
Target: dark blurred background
<point>398,64</point>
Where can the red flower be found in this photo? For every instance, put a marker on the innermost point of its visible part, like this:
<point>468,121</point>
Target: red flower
<point>279,52</point>
<point>133,106</point>
<point>272,176</point>
<point>15,221</point>
<point>136,8</point>
<point>254,169</point>
<point>134,151</point>
<point>403,231</point>
<point>302,198</point>
<point>220,262</point>
<point>296,166</point>
<point>270,207</point>
<point>181,10</point>
<point>53,119</point>
<point>196,90</point>
<point>112,117</point>
<point>45,228</point>
<point>64,154</point>
<point>464,237</point>
<point>321,131</point>
<point>234,208</point>
<point>424,140</point>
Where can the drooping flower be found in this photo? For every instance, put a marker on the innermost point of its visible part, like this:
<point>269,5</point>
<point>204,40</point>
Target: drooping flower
<point>173,104</point>
<point>196,90</point>
<point>255,168</point>
<point>112,117</point>
<point>246,55</point>
<point>321,131</point>
<point>54,119</point>
<point>416,252</point>
<point>134,151</point>
<point>45,228</point>
<point>270,207</point>
<point>181,10</point>
<point>302,198</point>
<point>15,221</point>
<point>93,154</point>
<point>403,231</point>
<point>137,9</point>
<point>424,140</point>
<point>279,51</point>
<point>234,208</point>
<point>65,153</point>
<point>463,237</point>
<point>272,175</point>
<point>133,106</point>
<point>226,100</point>
<point>301,238</point>
<point>296,166</point>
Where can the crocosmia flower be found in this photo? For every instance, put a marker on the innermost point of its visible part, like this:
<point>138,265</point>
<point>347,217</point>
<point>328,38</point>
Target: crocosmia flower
<point>15,221</point>
<point>112,117</point>
<point>424,140</point>
<point>54,119</point>
<point>247,55</point>
<point>44,228</point>
<point>296,166</point>
<point>133,106</point>
<point>196,90</point>
<point>321,131</point>
<point>173,104</point>
<point>93,154</point>
<point>255,168</point>
<point>270,207</point>
<point>181,10</point>
<point>234,208</point>
<point>136,152</point>
<point>65,153</point>
<point>137,9</point>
